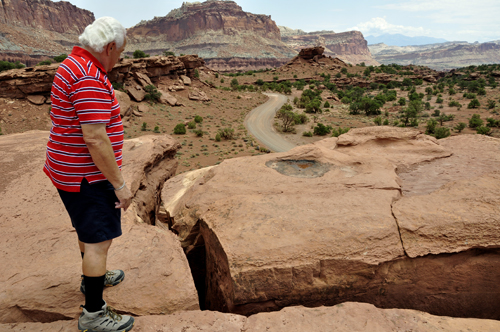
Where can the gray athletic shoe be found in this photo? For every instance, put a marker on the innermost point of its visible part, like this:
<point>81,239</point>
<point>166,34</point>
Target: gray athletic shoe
<point>105,320</point>
<point>112,278</point>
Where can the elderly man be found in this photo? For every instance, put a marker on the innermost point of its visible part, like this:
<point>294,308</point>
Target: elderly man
<point>84,157</point>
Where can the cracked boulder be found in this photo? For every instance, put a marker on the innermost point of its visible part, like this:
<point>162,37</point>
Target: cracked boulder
<point>41,263</point>
<point>315,226</point>
<point>346,317</point>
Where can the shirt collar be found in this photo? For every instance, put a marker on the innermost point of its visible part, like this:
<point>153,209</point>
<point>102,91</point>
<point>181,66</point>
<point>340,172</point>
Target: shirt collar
<point>78,51</point>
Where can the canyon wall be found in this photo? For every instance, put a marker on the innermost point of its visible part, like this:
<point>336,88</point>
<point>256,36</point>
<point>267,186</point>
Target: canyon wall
<point>34,30</point>
<point>220,32</point>
<point>349,46</point>
<point>441,56</point>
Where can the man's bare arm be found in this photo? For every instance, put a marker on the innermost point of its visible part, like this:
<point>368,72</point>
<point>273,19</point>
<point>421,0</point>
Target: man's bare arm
<point>100,148</point>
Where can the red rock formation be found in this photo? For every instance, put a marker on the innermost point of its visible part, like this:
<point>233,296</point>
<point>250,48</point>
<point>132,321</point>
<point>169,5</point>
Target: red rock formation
<point>34,30</point>
<point>218,31</point>
<point>349,46</point>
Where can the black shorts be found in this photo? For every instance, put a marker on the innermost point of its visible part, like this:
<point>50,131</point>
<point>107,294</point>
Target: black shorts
<point>92,211</point>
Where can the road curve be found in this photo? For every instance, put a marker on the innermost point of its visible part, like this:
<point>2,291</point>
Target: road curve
<point>260,124</point>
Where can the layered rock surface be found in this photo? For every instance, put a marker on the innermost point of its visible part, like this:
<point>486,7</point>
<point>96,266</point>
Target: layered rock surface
<point>329,222</point>
<point>441,56</point>
<point>218,31</point>
<point>345,317</point>
<point>349,46</point>
<point>40,277</point>
<point>36,29</point>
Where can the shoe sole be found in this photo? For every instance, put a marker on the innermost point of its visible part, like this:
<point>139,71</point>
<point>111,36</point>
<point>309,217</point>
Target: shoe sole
<point>80,329</point>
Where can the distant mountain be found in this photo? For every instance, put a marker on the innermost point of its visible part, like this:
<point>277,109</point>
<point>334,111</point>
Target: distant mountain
<point>402,40</point>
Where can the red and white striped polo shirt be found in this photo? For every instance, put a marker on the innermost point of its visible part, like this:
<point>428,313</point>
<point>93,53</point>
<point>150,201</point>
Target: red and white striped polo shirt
<point>81,94</point>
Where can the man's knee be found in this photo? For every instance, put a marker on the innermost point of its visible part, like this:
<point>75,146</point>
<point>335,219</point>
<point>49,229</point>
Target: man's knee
<point>99,248</point>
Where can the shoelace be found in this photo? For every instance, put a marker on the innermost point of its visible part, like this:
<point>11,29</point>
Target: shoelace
<point>111,312</point>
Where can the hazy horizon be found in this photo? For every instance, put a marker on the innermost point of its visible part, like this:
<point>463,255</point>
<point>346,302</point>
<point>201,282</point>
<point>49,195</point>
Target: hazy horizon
<point>453,20</point>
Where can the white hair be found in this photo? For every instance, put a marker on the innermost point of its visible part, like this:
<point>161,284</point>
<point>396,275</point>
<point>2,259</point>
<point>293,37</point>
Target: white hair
<point>103,31</point>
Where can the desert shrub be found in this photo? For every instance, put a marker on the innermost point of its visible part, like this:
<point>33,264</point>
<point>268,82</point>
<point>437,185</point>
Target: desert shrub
<point>481,92</point>
<point>339,131</point>
<point>259,82</point>
<point>152,94</point>
<point>1,131</point>
<point>287,118</point>
<point>192,125</point>
<point>226,133</point>
<point>198,132</point>
<point>44,63</point>
<point>300,118</point>
<point>402,101</point>
<point>454,103</point>
<point>439,100</point>
<point>222,80</point>
<point>492,122</point>
<point>469,95</point>
<point>138,54</point>
<point>234,83</point>
<point>217,137</point>
<point>60,58</point>
<point>343,70</point>
<point>474,103</point>
<point>475,121</point>
<point>168,53</point>
<point>180,129</point>
<point>378,121</point>
<point>117,86</point>
<point>427,106</point>
<point>144,126</point>
<point>491,104</point>
<point>482,130</point>
<point>366,104</point>
<point>442,132</point>
<point>6,65</point>
<point>196,73</point>
<point>307,134</point>
<point>156,130</point>
<point>428,90</point>
<point>198,119</point>
<point>327,104</point>
<point>338,75</point>
<point>459,127</point>
<point>322,130</point>
<point>410,114</point>
<point>430,128</point>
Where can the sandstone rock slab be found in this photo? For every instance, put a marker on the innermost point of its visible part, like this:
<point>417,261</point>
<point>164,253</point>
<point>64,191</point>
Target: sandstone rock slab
<point>41,274</point>
<point>125,103</point>
<point>185,80</point>
<point>346,317</point>
<point>197,94</point>
<point>135,91</point>
<point>36,99</point>
<point>167,98</point>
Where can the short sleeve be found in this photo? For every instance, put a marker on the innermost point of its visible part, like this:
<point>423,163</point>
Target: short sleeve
<point>92,101</point>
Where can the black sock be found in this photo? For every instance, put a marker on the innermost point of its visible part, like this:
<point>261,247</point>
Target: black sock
<point>93,293</point>
<point>82,254</point>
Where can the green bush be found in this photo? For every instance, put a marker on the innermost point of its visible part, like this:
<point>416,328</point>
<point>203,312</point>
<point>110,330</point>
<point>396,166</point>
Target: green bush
<point>152,94</point>
<point>144,126</point>
<point>198,119</point>
<point>339,131</point>
<point>454,103</point>
<point>192,125</point>
<point>492,122</point>
<point>430,128</point>
<point>402,101</point>
<point>307,134</point>
<point>439,100</point>
<point>475,121</point>
<point>343,70</point>
<point>234,83</point>
<point>168,53</point>
<point>156,130</point>
<point>44,63</point>
<point>6,65</point>
<point>491,104</point>
<point>386,122</point>
<point>482,130</point>
<point>378,121</point>
<point>300,118</point>
<point>217,137</point>
<point>327,104</point>
<point>180,129</point>
<point>138,54</point>
<point>322,130</point>
<point>60,58</point>
<point>198,132</point>
<point>442,132</point>
<point>226,133</point>
<point>474,103</point>
<point>459,127</point>
<point>222,80</point>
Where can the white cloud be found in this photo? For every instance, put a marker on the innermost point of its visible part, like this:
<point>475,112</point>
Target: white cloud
<point>378,26</point>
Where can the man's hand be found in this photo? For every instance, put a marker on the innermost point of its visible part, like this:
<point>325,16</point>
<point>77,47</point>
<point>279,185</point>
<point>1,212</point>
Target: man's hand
<point>125,197</point>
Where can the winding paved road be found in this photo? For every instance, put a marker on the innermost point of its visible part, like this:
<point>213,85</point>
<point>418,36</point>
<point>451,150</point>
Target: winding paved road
<point>260,123</point>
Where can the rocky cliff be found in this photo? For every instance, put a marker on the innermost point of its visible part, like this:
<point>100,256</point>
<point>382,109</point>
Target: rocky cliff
<point>439,56</point>
<point>349,46</point>
<point>218,31</point>
<point>32,30</point>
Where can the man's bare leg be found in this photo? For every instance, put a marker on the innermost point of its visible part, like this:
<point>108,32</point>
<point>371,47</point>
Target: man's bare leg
<point>94,261</point>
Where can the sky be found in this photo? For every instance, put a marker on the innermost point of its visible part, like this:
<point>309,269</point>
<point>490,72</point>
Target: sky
<point>453,20</point>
